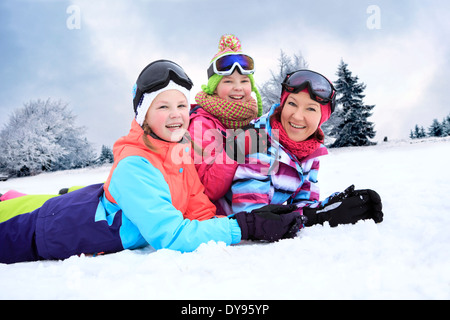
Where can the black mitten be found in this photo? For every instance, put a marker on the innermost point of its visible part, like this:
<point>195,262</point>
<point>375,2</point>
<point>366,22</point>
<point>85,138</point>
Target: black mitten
<point>270,223</point>
<point>346,207</point>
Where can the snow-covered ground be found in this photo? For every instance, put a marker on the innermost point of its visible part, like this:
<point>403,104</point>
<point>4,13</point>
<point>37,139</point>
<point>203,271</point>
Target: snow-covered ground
<point>405,257</point>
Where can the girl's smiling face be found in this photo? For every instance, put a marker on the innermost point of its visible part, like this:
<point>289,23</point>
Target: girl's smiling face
<point>168,115</point>
<point>235,88</point>
<point>300,116</point>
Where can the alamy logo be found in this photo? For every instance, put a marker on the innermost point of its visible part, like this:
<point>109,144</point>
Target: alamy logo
<point>250,146</point>
<point>74,20</point>
<point>374,20</point>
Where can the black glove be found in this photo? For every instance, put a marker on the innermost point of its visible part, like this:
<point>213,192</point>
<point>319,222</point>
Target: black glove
<point>271,222</point>
<point>346,207</point>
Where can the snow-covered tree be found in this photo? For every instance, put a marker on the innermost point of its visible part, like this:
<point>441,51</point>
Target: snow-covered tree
<point>421,133</point>
<point>42,136</point>
<point>328,127</point>
<point>354,128</point>
<point>446,126</point>
<point>270,90</point>
<point>106,155</point>
<point>417,133</point>
<point>436,129</point>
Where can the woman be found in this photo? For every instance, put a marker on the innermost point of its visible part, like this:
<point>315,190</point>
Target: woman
<point>282,151</point>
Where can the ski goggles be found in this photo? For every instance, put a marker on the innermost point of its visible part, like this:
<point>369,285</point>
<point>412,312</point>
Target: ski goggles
<point>319,87</point>
<point>224,66</point>
<point>157,75</point>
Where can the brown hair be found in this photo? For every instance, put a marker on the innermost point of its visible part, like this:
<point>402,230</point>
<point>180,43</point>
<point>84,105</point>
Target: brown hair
<point>147,132</point>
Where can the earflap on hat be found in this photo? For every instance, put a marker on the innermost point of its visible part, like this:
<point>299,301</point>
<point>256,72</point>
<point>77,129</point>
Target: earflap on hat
<point>258,95</point>
<point>212,84</point>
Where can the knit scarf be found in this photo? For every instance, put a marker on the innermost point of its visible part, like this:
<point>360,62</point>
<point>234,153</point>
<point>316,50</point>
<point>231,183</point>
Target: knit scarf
<point>233,115</point>
<point>300,149</point>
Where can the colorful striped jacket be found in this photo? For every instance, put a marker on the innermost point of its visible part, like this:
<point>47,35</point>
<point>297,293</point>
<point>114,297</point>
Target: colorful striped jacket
<point>273,176</point>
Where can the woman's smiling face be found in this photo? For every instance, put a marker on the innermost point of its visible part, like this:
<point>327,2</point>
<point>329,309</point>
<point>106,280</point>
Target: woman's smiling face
<point>300,116</point>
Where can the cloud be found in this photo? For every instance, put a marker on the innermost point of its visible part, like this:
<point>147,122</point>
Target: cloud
<point>404,64</point>
<point>401,64</point>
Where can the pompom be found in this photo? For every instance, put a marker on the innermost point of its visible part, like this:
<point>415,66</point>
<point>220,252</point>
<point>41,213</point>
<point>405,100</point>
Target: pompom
<point>229,41</point>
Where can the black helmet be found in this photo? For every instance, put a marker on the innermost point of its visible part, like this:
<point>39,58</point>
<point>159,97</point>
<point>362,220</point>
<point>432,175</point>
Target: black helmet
<point>157,75</point>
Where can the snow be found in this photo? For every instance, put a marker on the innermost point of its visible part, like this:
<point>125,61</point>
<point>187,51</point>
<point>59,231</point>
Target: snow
<point>407,256</point>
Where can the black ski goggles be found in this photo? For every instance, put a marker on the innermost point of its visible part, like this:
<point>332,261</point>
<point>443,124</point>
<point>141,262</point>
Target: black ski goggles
<point>319,87</point>
<point>224,66</point>
<point>157,75</point>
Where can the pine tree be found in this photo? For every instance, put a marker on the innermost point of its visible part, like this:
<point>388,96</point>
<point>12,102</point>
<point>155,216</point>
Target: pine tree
<point>436,129</point>
<point>418,133</point>
<point>446,126</point>
<point>106,155</point>
<point>354,128</point>
<point>422,133</point>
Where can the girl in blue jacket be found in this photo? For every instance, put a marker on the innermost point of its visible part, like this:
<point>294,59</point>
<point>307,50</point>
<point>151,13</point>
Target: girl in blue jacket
<point>153,195</point>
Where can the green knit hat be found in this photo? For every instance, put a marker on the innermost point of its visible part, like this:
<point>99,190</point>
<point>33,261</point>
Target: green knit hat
<point>230,44</point>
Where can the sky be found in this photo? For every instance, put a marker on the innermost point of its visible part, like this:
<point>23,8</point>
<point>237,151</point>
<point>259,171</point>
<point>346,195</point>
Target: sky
<point>88,53</point>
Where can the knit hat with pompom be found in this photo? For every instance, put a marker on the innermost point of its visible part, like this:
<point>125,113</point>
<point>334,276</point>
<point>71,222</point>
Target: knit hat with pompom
<point>230,44</point>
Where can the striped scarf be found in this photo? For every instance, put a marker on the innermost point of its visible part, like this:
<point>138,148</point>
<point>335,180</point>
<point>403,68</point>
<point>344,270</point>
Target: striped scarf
<point>233,115</point>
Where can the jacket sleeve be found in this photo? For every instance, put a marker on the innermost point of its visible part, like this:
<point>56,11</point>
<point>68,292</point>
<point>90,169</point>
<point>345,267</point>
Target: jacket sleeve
<point>199,205</point>
<point>308,194</point>
<point>251,187</point>
<point>144,197</point>
<point>214,167</point>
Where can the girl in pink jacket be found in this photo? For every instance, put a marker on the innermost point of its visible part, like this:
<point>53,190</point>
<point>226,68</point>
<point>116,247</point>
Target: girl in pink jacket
<point>224,105</point>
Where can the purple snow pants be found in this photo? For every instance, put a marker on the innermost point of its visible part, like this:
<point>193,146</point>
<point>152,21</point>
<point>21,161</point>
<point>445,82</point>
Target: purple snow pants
<point>18,240</point>
<point>64,226</point>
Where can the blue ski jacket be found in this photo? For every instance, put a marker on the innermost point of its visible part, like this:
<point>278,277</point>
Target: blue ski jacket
<point>150,198</point>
